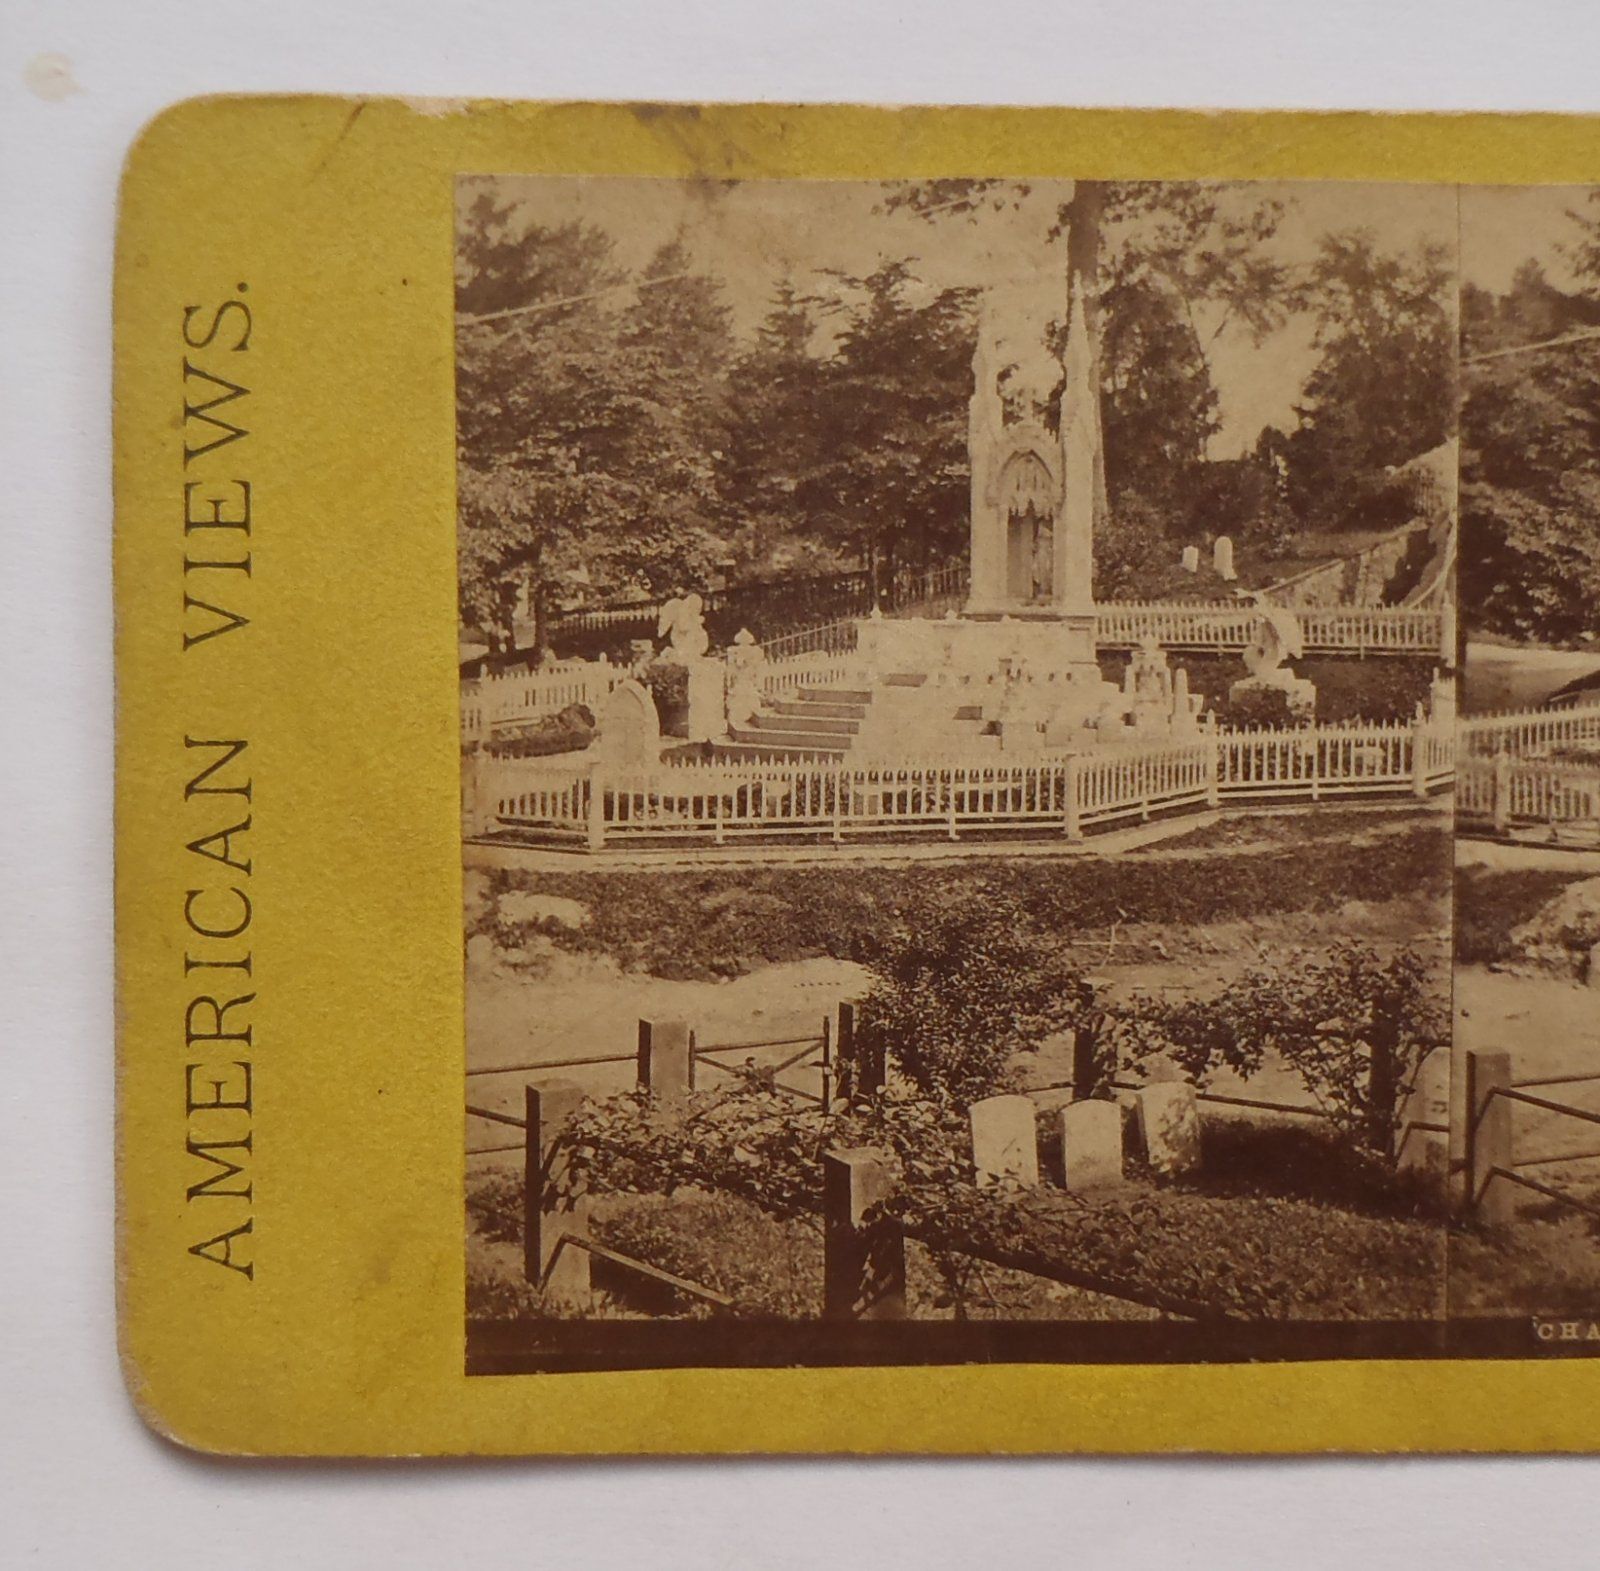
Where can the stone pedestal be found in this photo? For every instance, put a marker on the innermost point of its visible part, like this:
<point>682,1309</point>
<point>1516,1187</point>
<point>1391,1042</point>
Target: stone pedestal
<point>707,710</point>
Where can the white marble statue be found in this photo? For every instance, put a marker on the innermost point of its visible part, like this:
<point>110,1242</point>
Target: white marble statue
<point>682,622</point>
<point>1278,638</point>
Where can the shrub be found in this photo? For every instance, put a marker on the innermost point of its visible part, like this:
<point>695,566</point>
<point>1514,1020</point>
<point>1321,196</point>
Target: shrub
<point>766,1265</point>
<point>694,925</point>
<point>568,732</point>
<point>961,983</point>
<point>1239,1256</point>
<point>1354,1027</point>
<point>1258,706</point>
<point>668,681</point>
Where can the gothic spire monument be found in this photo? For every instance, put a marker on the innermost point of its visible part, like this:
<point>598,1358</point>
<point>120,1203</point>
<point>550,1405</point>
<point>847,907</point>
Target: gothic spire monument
<point>1033,492</point>
<point>1016,671</point>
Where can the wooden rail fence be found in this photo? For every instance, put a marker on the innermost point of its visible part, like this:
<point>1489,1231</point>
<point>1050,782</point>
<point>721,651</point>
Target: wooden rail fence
<point>1496,1166</point>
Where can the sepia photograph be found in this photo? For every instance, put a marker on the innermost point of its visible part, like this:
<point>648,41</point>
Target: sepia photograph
<point>1527,984</point>
<point>958,737</point>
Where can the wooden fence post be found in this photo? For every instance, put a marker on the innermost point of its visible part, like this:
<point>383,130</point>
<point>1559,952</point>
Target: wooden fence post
<point>666,1058</point>
<point>1214,768</point>
<point>1419,758</point>
<point>844,1051</point>
<point>1073,825</point>
<point>553,1205</point>
<point>1085,1069</point>
<point>864,1264</point>
<point>1489,1138</point>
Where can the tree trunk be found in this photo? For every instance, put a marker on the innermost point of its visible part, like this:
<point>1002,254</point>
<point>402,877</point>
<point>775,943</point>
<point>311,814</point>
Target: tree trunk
<point>1383,1090</point>
<point>539,604</point>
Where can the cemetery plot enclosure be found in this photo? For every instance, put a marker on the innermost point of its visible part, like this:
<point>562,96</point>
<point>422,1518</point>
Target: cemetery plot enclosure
<point>592,808</point>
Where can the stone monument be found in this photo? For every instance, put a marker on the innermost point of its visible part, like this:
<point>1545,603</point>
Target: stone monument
<point>1277,638</point>
<point>1222,558</point>
<point>682,622</point>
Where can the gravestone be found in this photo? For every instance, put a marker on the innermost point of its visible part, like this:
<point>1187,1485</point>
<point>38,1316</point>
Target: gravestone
<point>1191,559</point>
<point>1169,1126</point>
<point>1222,558</point>
<point>1005,1142</point>
<point>1091,1145</point>
<point>629,728</point>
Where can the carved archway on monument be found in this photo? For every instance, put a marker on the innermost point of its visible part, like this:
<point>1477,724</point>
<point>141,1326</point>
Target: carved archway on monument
<point>1026,496</point>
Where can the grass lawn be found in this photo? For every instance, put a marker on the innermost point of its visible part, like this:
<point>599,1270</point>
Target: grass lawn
<point>697,924</point>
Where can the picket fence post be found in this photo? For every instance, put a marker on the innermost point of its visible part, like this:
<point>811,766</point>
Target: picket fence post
<point>1073,778</point>
<point>596,810</point>
<point>1500,793</point>
<point>1419,757</point>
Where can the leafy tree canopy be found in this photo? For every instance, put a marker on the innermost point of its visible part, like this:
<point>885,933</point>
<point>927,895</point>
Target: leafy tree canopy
<point>1530,460</point>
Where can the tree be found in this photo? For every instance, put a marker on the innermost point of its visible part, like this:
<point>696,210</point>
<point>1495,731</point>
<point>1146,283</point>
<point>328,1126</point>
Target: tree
<point>674,346</point>
<point>1353,1025</point>
<point>960,987</point>
<point>1384,387</point>
<point>585,424</point>
<point>775,399</point>
<point>535,411</point>
<point>888,476</point>
<point>1530,459</point>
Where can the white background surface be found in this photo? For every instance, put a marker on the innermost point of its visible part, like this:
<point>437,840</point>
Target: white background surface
<point>81,1484</point>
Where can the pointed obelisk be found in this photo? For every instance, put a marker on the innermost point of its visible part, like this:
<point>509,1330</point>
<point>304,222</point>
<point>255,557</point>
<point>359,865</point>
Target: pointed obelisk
<point>985,422</point>
<point>1073,579</point>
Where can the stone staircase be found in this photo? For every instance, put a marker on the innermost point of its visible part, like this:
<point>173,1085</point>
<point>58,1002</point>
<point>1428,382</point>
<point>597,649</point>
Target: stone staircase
<point>827,723</point>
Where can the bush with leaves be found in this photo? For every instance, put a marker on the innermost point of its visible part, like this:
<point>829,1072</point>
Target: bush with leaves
<point>1353,1025</point>
<point>960,986</point>
<point>759,1143</point>
<point>1236,1256</point>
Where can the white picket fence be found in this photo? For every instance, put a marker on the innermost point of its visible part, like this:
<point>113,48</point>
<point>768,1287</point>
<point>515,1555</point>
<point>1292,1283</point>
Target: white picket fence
<point>1514,794</point>
<point>1526,732</point>
<point>503,700</point>
<point>819,656</point>
<point>1313,762</point>
<point>1227,625</point>
<point>1066,795</point>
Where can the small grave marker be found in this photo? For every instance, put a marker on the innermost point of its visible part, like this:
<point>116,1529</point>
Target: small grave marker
<point>1005,1142</point>
<point>1091,1145</point>
<point>1169,1126</point>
